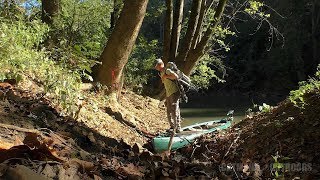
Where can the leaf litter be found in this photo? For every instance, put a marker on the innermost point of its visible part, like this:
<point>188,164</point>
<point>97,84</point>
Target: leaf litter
<point>38,143</point>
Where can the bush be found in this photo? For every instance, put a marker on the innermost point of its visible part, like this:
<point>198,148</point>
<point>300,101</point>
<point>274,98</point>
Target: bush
<point>204,73</point>
<point>313,84</point>
<point>79,34</point>
<point>138,70</point>
<point>20,57</point>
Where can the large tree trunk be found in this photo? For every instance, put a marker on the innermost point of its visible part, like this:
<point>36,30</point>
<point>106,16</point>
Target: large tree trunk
<point>192,26</point>
<point>205,6</point>
<point>176,29</point>
<point>120,44</point>
<point>194,43</point>
<point>167,31</point>
<point>50,9</point>
<point>195,54</point>
<point>115,13</point>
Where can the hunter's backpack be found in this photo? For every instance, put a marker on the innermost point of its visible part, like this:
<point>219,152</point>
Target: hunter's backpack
<point>183,82</point>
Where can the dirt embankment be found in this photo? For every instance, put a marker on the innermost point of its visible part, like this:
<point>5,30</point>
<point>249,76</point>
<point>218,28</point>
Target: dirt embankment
<point>34,135</point>
<point>283,143</point>
<point>38,143</point>
<point>134,120</point>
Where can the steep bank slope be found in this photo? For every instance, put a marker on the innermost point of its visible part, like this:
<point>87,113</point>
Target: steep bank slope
<point>284,142</point>
<point>25,106</point>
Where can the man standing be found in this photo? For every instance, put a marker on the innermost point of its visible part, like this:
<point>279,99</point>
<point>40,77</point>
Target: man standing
<point>169,77</point>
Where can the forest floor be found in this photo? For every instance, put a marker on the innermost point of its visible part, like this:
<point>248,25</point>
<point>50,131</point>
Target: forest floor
<point>111,142</point>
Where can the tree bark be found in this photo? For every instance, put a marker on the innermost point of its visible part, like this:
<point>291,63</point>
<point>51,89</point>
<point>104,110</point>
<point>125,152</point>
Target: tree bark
<point>115,13</point>
<point>176,29</point>
<point>192,26</point>
<point>206,5</point>
<point>120,44</point>
<point>167,31</point>
<point>195,54</point>
<point>50,9</point>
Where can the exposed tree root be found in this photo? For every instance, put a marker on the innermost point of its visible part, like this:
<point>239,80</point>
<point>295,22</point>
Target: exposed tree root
<point>118,115</point>
<point>8,126</point>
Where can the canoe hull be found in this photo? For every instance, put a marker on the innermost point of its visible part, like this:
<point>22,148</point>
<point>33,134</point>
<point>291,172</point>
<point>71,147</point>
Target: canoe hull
<point>161,143</point>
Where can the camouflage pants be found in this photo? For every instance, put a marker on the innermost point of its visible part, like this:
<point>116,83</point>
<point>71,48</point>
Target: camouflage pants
<point>173,110</point>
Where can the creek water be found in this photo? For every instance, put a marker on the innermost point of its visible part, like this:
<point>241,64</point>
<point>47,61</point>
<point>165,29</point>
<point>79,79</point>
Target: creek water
<point>197,115</point>
<point>207,108</point>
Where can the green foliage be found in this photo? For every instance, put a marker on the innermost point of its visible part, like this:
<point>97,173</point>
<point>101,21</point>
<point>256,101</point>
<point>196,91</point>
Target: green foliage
<point>256,109</point>
<point>313,84</point>
<point>203,73</point>
<point>155,10</point>
<point>80,33</point>
<point>278,167</point>
<point>152,21</point>
<point>21,58</point>
<point>219,37</point>
<point>210,66</point>
<point>265,108</point>
<point>255,9</point>
<point>138,68</point>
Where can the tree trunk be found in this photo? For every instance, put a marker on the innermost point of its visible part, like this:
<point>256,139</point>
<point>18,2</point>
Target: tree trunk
<point>204,8</point>
<point>50,9</point>
<point>167,31</point>
<point>193,49</point>
<point>120,44</point>
<point>115,13</point>
<point>192,26</point>
<point>176,29</point>
<point>195,54</point>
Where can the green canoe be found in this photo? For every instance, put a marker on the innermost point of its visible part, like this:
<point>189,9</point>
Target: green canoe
<point>188,134</point>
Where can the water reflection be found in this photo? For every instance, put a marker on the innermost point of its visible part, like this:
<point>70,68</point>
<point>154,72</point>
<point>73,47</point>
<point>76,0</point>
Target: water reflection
<point>198,115</point>
<point>205,107</point>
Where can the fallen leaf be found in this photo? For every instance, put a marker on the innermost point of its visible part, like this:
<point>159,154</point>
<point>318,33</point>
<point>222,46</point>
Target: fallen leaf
<point>131,170</point>
<point>88,166</point>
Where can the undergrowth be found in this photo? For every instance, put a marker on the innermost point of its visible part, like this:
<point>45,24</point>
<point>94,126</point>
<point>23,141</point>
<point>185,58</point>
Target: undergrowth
<point>21,56</point>
<point>313,84</point>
